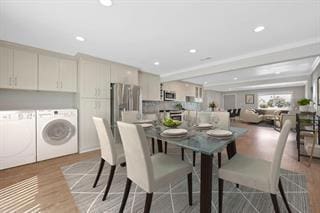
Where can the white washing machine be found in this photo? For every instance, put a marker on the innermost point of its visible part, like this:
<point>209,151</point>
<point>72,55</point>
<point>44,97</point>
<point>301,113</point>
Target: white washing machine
<point>17,138</point>
<point>57,133</point>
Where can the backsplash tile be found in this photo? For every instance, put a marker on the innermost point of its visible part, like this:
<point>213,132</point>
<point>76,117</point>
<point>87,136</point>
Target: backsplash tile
<point>154,106</point>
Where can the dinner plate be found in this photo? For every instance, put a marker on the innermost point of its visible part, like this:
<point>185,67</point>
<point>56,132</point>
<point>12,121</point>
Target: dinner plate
<point>219,133</point>
<point>175,132</point>
<point>143,121</point>
<point>204,125</point>
<point>173,136</point>
<point>146,125</point>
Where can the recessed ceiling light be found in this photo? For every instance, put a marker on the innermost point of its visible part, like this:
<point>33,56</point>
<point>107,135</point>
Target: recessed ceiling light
<point>106,3</point>
<point>157,63</point>
<point>192,51</point>
<point>80,38</point>
<point>235,78</point>
<point>277,73</point>
<point>259,29</point>
<point>205,82</point>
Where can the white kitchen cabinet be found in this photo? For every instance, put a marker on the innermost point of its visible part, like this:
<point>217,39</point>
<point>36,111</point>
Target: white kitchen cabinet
<point>94,79</point>
<point>6,67</point>
<point>48,73</point>
<point>25,70</point>
<point>150,86</point>
<point>124,74</point>
<point>57,74</point>
<point>18,69</point>
<point>68,75</point>
<point>88,109</point>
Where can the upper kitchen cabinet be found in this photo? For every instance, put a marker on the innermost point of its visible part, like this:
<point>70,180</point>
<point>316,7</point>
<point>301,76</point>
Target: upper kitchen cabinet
<point>25,69</point>
<point>150,86</point>
<point>18,69</point>
<point>56,74</point>
<point>124,74</point>
<point>94,79</point>
<point>6,67</point>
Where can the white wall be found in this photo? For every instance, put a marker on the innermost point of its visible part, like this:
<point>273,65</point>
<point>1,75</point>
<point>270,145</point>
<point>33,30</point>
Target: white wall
<point>314,79</point>
<point>297,93</point>
<point>21,99</point>
<point>208,97</point>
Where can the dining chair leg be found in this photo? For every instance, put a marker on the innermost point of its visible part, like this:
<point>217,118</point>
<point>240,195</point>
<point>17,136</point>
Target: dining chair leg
<point>220,194</point>
<point>275,203</point>
<point>147,205</point>
<point>182,154</point>
<point>123,164</point>
<point>237,185</point>
<point>284,196</point>
<point>99,172</point>
<point>152,144</point>
<point>113,168</point>
<point>165,147</point>
<point>219,159</point>
<point>194,158</point>
<point>125,195</point>
<point>190,188</point>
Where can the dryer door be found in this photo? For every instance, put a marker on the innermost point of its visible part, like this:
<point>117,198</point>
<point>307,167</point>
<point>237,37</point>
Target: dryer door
<point>58,132</point>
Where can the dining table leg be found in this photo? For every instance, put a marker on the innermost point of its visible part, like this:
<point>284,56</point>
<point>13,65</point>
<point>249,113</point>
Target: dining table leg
<point>206,183</point>
<point>160,149</point>
<point>231,149</point>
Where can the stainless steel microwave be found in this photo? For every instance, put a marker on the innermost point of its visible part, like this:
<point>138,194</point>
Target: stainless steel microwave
<point>169,95</point>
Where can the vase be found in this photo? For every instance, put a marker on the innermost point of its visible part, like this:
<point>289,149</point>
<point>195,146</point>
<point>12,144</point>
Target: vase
<point>304,108</point>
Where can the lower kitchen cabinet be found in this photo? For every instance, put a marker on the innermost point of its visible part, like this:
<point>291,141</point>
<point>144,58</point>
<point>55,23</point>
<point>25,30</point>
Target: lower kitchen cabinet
<point>88,138</point>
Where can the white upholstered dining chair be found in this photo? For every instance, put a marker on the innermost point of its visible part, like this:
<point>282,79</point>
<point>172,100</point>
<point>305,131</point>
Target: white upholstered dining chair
<point>149,172</point>
<point>257,173</point>
<point>129,116</point>
<point>221,120</point>
<point>110,151</point>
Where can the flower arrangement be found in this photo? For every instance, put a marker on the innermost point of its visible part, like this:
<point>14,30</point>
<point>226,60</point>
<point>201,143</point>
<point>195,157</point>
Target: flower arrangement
<point>212,105</point>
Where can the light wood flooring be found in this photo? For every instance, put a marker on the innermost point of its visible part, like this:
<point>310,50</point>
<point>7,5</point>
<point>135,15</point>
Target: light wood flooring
<point>42,187</point>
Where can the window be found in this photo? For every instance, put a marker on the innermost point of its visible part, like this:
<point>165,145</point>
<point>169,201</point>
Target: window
<point>274,101</point>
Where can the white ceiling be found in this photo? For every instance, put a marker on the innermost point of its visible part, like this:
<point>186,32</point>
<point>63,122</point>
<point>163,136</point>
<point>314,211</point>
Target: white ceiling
<point>140,32</point>
<point>244,79</point>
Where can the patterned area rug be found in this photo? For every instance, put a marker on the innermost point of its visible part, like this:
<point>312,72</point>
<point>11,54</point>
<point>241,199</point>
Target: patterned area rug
<point>173,198</point>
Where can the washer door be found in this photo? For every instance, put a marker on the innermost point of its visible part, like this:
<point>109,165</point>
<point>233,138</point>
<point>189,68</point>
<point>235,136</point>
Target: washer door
<point>58,132</point>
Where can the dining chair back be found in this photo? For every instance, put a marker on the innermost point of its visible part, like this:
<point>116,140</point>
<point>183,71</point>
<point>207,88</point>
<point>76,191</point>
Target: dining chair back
<point>204,117</point>
<point>221,120</point>
<point>129,116</point>
<point>108,152</point>
<point>277,157</point>
<point>137,154</point>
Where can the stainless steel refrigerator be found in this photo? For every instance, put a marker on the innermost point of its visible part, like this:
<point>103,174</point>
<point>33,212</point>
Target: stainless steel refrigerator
<point>124,97</point>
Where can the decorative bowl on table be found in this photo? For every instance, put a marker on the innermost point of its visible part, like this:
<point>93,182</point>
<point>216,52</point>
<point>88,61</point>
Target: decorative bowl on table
<point>169,122</point>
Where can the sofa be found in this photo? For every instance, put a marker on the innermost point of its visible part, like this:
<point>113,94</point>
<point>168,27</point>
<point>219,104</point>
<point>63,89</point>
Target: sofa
<point>250,116</point>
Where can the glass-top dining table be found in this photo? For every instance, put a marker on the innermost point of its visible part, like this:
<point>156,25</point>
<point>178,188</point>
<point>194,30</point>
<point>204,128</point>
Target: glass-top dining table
<point>199,141</point>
